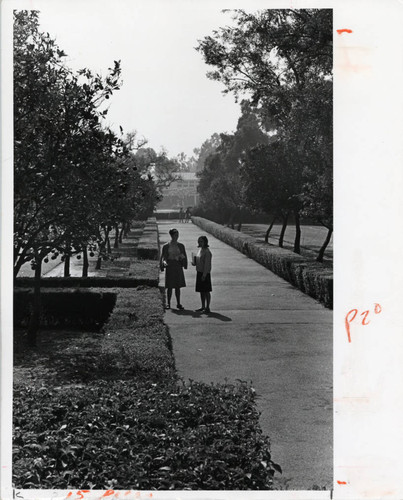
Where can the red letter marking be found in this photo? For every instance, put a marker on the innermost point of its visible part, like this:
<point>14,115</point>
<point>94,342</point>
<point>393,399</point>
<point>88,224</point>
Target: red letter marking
<point>348,320</point>
<point>351,315</point>
<point>365,314</point>
<point>378,309</point>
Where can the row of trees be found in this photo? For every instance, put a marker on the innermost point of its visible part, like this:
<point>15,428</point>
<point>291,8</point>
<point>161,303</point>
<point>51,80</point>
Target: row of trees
<point>279,160</point>
<point>74,178</point>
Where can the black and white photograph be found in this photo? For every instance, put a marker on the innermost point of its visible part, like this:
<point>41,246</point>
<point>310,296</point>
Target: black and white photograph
<point>174,301</point>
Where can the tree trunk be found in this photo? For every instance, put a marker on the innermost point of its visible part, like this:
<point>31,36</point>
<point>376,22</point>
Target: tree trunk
<point>297,241</point>
<point>116,244</point>
<point>121,234</point>
<point>266,237</point>
<point>231,221</point>
<point>285,222</point>
<point>34,320</point>
<point>108,242</point>
<point>127,228</point>
<point>321,254</point>
<point>101,251</point>
<point>98,265</point>
<point>85,262</point>
<point>67,265</point>
<point>240,220</point>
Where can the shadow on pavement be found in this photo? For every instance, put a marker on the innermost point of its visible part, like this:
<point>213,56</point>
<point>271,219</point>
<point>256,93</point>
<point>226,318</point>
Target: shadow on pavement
<point>196,314</point>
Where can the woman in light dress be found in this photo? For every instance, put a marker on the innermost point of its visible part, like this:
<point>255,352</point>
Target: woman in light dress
<point>202,261</point>
<point>174,261</point>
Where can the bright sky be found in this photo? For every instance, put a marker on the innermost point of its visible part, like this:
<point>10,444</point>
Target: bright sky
<point>166,95</point>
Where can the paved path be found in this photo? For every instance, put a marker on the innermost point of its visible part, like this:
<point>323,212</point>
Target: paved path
<point>265,331</point>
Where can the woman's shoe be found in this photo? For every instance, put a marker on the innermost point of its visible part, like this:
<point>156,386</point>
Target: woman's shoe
<point>207,310</point>
<point>168,306</point>
<point>180,306</point>
<point>199,310</point>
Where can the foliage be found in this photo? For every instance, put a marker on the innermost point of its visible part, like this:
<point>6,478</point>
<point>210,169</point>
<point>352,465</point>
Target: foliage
<point>312,278</point>
<point>281,59</point>
<point>139,428</point>
<point>159,166</point>
<point>148,244</point>
<point>272,183</point>
<point>136,341</point>
<point>62,154</point>
<point>221,188</point>
<point>74,307</point>
<point>132,435</point>
<point>208,147</point>
<point>185,163</point>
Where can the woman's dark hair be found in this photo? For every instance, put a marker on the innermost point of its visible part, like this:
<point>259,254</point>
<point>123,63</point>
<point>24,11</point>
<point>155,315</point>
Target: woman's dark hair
<point>204,238</point>
<point>172,231</point>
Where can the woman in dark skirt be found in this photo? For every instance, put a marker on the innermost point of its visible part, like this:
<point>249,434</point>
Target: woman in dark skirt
<point>174,260</point>
<point>203,279</point>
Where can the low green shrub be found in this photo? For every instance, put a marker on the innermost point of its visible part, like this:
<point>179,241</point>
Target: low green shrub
<point>65,307</point>
<point>118,417</point>
<point>148,244</point>
<point>140,435</point>
<point>145,271</point>
<point>137,275</point>
<point>136,340</point>
<point>312,278</point>
<point>167,214</point>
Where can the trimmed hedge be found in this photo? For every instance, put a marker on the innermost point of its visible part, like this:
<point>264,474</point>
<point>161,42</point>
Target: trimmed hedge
<point>132,424</point>
<point>136,340</point>
<point>140,273</point>
<point>148,244</point>
<point>140,435</point>
<point>167,214</point>
<point>312,278</point>
<point>60,308</point>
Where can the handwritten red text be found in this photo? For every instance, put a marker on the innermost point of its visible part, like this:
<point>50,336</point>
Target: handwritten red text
<point>352,314</point>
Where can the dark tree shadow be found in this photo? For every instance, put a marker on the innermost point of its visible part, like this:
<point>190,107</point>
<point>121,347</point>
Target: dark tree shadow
<point>195,314</point>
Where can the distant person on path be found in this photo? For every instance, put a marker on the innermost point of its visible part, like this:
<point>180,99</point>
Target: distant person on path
<point>202,261</point>
<point>174,260</point>
<point>188,213</point>
<point>181,214</point>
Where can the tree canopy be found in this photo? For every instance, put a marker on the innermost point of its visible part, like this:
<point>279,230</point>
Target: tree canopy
<point>281,61</point>
<point>72,174</point>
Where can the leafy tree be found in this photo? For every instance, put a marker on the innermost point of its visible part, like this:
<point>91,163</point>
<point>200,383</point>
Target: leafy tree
<point>185,163</point>
<point>208,147</point>
<point>162,168</point>
<point>272,184</point>
<point>60,149</point>
<point>221,187</point>
<point>282,61</point>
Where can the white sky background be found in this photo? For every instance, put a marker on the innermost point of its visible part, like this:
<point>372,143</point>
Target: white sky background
<point>165,95</point>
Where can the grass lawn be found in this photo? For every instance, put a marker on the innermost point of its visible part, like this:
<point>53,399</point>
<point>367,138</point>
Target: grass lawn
<point>312,238</point>
<point>62,357</point>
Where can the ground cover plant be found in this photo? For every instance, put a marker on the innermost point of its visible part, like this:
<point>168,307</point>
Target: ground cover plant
<point>101,410</point>
<point>141,435</point>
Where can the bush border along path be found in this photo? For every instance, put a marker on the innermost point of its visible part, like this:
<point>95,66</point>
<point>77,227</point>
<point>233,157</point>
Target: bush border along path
<point>130,423</point>
<point>136,341</point>
<point>312,278</point>
<point>148,245</point>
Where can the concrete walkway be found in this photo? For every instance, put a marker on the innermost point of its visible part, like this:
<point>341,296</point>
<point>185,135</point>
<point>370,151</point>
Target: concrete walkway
<point>265,331</point>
